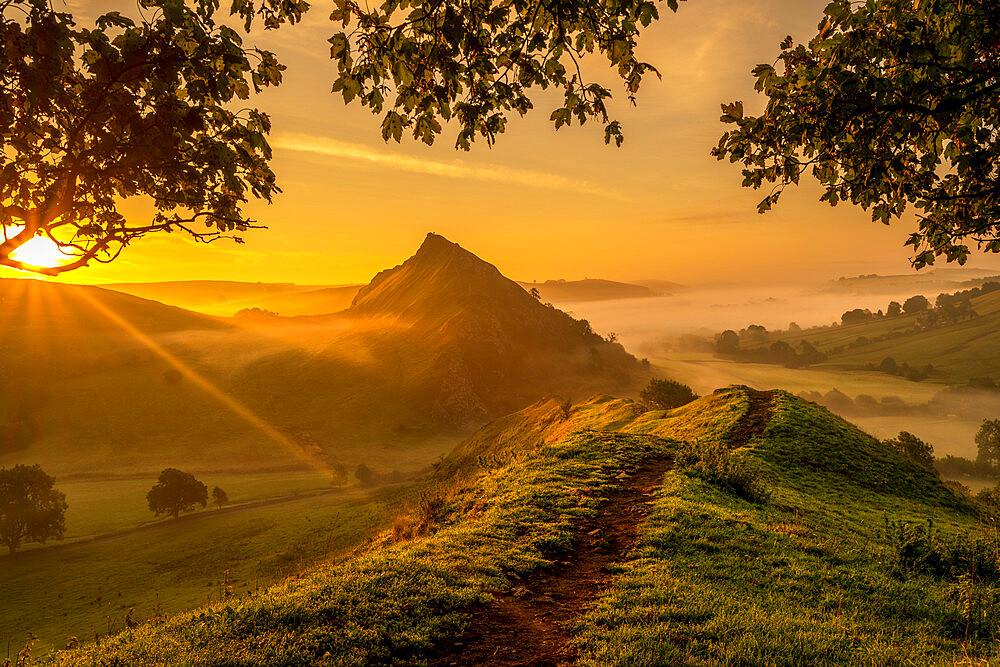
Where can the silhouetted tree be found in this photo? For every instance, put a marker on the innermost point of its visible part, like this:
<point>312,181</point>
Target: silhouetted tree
<point>913,448</point>
<point>728,342</point>
<point>892,106</point>
<point>31,510</point>
<point>888,365</point>
<point>895,309</point>
<point>988,442</point>
<point>838,401</point>
<point>175,492</point>
<point>857,316</point>
<point>666,394</point>
<point>755,333</point>
<point>916,304</point>
<point>126,107</point>
<point>364,474</point>
<point>219,497</point>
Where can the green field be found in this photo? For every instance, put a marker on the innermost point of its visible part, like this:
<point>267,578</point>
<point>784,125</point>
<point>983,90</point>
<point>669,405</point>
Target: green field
<point>826,564</point>
<point>102,506</point>
<point>958,351</point>
<point>83,589</point>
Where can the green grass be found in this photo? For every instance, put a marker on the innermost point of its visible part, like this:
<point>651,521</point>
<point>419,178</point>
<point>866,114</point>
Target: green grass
<point>807,578</point>
<point>950,435</point>
<point>79,590</point>
<point>808,574</point>
<point>395,600</point>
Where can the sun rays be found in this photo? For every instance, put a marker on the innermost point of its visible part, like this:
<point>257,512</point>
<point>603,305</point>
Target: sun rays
<point>203,383</point>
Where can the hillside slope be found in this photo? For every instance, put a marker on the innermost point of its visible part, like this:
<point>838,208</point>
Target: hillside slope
<point>958,351</point>
<point>496,347</point>
<point>826,563</point>
<point>101,382</point>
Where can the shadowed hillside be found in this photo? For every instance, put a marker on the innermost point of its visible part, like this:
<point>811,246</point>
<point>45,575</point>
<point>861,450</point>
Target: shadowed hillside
<point>494,344</point>
<point>226,298</point>
<point>98,381</point>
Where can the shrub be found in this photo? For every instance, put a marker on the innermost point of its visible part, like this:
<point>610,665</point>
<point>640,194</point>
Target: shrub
<point>667,394</point>
<point>913,448</point>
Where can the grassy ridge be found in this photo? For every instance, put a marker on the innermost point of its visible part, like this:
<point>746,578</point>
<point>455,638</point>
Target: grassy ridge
<point>393,601</point>
<point>810,576</point>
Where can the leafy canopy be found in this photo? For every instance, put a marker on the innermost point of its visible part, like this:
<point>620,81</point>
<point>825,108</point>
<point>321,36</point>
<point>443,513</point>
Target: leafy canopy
<point>31,510</point>
<point>988,442</point>
<point>175,492</point>
<point>152,107</point>
<point>92,116</point>
<point>893,106</point>
<point>422,62</point>
<point>913,448</point>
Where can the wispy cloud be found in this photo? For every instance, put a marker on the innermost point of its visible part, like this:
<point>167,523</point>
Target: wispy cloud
<point>452,169</point>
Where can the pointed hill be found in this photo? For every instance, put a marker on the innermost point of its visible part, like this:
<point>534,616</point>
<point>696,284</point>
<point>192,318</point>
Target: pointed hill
<point>493,347</point>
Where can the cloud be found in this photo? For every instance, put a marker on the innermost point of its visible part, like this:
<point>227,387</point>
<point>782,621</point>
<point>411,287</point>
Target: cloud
<point>453,169</point>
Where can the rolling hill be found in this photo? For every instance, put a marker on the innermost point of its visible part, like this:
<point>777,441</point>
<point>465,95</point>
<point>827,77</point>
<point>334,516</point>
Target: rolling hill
<point>958,351</point>
<point>100,382</point>
<point>226,298</point>
<point>591,289</point>
<point>746,527</point>
<point>936,281</point>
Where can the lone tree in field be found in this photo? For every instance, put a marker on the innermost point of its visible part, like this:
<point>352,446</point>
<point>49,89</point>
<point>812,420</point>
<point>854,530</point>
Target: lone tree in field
<point>152,106</point>
<point>913,448</point>
<point>219,497</point>
<point>175,492</point>
<point>364,474</point>
<point>31,510</point>
<point>988,441</point>
<point>916,304</point>
<point>666,394</point>
<point>893,106</point>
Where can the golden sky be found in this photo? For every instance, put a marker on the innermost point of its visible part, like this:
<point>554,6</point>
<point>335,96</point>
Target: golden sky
<point>541,204</point>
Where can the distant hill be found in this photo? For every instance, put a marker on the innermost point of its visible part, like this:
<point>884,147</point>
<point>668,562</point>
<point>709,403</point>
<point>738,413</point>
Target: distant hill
<point>661,286</point>
<point>936,281</point>
<point>591,289</point>
<point>959,349</point>
<point>605,534</point>
<point>96,381</point>
<point>226,298</point>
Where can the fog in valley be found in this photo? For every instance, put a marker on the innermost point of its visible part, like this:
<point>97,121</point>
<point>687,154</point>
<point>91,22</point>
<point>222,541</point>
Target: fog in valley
<point>675,332</point>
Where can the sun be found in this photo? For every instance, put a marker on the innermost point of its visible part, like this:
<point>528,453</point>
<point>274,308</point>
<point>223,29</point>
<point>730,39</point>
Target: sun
<point>40,251</point>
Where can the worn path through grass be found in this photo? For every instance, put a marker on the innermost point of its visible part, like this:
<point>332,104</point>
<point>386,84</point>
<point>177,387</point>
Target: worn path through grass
<point>531,624</point>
